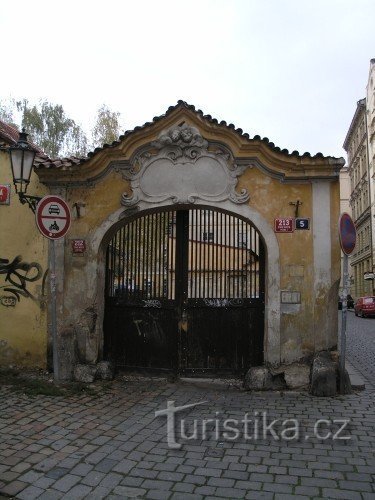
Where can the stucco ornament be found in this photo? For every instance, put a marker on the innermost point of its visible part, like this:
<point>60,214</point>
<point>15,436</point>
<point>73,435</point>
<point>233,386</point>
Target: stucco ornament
<point>180,167</point>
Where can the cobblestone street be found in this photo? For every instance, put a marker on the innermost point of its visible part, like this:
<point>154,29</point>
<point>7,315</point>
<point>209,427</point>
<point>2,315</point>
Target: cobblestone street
<point>112,446</point>
<point>361,346</point>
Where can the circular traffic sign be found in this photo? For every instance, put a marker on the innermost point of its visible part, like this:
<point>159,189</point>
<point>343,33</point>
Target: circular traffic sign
<point>53,217</point>
<point>348,233</point>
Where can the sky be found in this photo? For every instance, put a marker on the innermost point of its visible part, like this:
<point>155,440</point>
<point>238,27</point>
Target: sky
<point>289,70</point>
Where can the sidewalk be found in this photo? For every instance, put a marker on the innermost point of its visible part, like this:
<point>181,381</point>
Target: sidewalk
<point>356,379</point>
<point>112,446</point>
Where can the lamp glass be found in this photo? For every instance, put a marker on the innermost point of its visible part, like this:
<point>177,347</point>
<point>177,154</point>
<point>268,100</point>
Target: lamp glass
<point>22,160</point>
<point>16,156</point>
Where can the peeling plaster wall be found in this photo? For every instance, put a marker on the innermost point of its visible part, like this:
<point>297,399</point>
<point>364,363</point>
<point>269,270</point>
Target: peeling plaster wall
<point>297,262</point>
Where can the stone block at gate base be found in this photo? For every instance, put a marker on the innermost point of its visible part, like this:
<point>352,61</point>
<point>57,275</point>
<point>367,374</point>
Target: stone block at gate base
<point>297,376</point>
<point>85,373</point>
<point>323,376</point>
<point>258,378</point>
<point>105,370</point>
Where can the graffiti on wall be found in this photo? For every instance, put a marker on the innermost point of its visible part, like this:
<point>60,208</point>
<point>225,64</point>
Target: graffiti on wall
<point>18,275</point>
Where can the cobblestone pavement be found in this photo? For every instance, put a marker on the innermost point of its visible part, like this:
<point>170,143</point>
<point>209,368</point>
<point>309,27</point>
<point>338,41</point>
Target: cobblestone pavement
<point>112,446</point>
<point>361,346</point>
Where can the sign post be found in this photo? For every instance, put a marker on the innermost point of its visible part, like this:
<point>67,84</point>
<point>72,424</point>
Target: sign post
<point>348,236</point>
<point>53,221</point>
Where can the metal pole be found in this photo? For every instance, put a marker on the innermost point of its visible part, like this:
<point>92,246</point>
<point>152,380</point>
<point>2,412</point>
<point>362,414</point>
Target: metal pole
<point>56,373</point>
<point>343,323</point>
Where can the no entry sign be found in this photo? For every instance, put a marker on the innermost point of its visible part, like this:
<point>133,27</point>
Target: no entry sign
<point>348,233</point>
<point>53,217</point>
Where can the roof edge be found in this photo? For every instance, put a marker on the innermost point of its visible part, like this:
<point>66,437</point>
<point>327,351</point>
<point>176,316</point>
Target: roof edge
<point>72,161</point>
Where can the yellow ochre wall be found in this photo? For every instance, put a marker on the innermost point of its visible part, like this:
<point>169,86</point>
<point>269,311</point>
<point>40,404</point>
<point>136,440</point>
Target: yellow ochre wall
<point>23,325</point>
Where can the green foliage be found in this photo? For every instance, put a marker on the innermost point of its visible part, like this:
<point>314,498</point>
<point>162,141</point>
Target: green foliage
<point>7,112</point>
<point>51,129</point>
<point>107,127</point>
<point>54,132</point>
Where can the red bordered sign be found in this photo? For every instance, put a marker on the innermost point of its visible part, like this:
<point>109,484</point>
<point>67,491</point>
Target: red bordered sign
<point>347,233</point>
<point>53,217</point>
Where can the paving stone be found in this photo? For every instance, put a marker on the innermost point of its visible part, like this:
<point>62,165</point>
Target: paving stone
<point>184,487</point>
<point>105,465</point>
<point>355,485</point>
<point>56,472</point>
<point>307,490</point>
<point>93,478</point>
<point>230,493</point>
<point>278,488</point>
<point>319,482</point>
<point>146,473</point>
<point>30,477</point>
<point>205,471</point>
<point>99,493</point>
<point>170,476</point>
<point>187,496</point>
<point>124,466</point>
<point>30,493</point>
<point>82,469</point>
<point>66,482</point>
<point>132,481</point>
<point>222,482</point>
<point>157,484</point>
<point>129,492</point>
<point>13,488</point>
<point>344,494</point>
<point>158,494</point>
<point>235,474</point>
<point>205,490</point>
<point>248,485</point>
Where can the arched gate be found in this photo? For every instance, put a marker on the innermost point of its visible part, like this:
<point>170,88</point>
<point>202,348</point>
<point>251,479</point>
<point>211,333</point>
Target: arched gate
<point>185,293</point>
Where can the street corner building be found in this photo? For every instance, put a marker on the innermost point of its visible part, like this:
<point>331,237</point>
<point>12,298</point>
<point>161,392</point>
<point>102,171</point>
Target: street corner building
<point>193,248</point>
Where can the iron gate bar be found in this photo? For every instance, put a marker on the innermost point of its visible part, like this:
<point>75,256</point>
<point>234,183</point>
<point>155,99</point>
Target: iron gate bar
<point>205,267</point>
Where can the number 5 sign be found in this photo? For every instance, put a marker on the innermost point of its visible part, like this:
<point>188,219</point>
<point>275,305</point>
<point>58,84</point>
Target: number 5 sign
<point>302,223</point>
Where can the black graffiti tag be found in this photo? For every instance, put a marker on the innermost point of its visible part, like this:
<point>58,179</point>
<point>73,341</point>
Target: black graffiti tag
<point>18,274</point>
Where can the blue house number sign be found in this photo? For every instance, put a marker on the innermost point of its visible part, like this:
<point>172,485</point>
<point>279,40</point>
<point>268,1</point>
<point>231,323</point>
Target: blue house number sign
<point>302,223</point>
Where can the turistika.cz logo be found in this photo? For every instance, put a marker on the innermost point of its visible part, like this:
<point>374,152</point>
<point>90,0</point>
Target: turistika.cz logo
<point>252,427</point>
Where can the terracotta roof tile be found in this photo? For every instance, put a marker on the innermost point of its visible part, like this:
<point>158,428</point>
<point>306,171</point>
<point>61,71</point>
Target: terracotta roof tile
<point>9,136</point>
<point>67,163</point>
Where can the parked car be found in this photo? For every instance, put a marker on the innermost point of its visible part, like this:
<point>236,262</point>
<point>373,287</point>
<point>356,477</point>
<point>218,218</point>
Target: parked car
<point>365,306</point>
<point>349,301</point>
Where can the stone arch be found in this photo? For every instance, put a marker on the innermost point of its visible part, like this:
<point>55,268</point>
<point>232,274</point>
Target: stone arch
<point>272,341</point>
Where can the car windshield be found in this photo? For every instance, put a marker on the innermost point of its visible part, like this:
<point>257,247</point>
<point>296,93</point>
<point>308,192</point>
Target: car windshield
<point>369,300</point>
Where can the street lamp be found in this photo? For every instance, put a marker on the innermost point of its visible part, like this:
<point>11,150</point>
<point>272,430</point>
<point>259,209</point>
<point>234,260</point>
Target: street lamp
<point>22,159</point>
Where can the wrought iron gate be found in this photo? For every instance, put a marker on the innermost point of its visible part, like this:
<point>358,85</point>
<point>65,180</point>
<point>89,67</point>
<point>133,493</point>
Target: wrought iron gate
<point>185,292</point>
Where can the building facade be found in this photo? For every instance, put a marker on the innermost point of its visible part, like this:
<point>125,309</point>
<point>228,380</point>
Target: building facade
<point>189,256</point>
<point>370,116</point>
<point>355,145</point>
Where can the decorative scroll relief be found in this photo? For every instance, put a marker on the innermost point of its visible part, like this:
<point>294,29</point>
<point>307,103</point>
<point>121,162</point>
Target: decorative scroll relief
<point>179,167</point>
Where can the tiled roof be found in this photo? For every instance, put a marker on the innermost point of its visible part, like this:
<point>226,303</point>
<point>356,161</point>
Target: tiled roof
<point>66,163</point>
<point>9,136</point>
